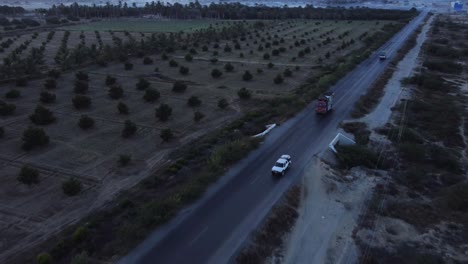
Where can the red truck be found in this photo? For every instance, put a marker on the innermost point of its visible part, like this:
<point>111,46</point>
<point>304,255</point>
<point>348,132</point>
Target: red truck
<point>324,103</point>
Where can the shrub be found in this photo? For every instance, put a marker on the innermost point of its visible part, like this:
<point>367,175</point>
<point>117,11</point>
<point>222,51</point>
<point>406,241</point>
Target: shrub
<point>188,57</point>
<point>163,112</point>
<point>47,97</point>
<point>193,101</point>
<point>81,258</point>
<point>243,93</point>
<point>81,87</point>
<point>128,66</point>
<point>247,76</point>
<point>54,73</point>
<point>184,70</point>
<point>356,155</point>
<point>166,134</point>
<point>456,197</point>
<point>2,132</point>
<point>115,92</point>
<point>215,73</point>
<point>142,84</point>
<point>122,108</point>
<point>444,66</point>
<point>173,63</point>
<point>223,103</point>
<point>21,82</point>
<point>6,109</point>
<point>287,73</point>
<point>80,234</point>
<point>124,159</point>
<point>42,116</point>
<point>44,258</point>
<point>85,122</point>
<point>179,87</point>
<point>82,76</point>
<point>147,61</point>
<point>270,65</point>
<point>213,60</point>
<point>81,101</point>
<point>278,79</point>
<point>50,84</point>
<point>13,94</point>
<point>197,116</point>
<point>266,56</point>
<point>28,176</point>
<point>129,129</point>
<point>151,95</point>
<point>34,137</point>
<point>164,56</point>
<point>110,80</point>
<point>228,67</point>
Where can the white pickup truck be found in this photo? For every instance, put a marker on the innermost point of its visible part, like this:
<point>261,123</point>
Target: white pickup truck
<point>281,165</point>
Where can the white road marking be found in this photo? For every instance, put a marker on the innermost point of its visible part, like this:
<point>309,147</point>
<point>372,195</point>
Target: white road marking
<point>198,236</point>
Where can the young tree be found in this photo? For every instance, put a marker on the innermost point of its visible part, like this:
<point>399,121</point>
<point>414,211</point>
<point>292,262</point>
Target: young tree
<point>2,132</point>
<point>215,73</point>
<point>163,112</point>
<point>243,93</point>
<point>228,67</point>
<point>188,57</point>
<point>223,103</point>
<point>122,108</point>
<point>81,101</point>
<point>142,84</point>
<point>193,101</point>
<point>54,73</point>
<point>173,63</point>
<point>129,129</point>
<point>81,87</point>
<point>124,159</point>
<point>151,95</point>
<point>85,122</point>
<point>179,87</point>
<point>270,65</point>
<point>287,72</point>
<point>47,97</point>
<point>71,187</point>
<point>34,137</point>
<point>82,76</point>
<point>278,79</point>
<point>166,134</point>
<point>42,116</point>
<point>184,70</point>
<point>50,84</point>
<point>6,109</point>
<point>247,76</point>
<point>147,61</point>
<point>44,258</point>
<point>21,82</point>
<point>12,94</point>
<point>110,80</point>
<point>197,116</point>
<point>28,176</point>
<point>128,66</point>
<point>115,92</point>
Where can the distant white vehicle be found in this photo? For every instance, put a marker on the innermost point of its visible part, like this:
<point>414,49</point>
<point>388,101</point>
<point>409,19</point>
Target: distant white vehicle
<point>382,55</point>
<point>281,165</point>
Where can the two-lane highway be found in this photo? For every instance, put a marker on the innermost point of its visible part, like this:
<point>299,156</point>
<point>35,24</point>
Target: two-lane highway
<point>213,229</point>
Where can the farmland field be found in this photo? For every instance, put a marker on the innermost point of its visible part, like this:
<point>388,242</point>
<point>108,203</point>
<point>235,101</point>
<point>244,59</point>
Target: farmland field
<point>267,62</point>
<point>133,25</point>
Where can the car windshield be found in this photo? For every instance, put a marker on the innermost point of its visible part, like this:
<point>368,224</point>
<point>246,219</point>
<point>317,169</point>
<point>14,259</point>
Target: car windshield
<point>279,164</point>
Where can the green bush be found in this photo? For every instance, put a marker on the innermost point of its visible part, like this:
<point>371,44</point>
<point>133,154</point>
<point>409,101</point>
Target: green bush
<point>44,258</point>
<point>223,103</point>
<point>54,74</point>
<point>13,94</point>
<point>28,176</point>
<point>163,112</point>
<point>151,95</point>
<point>110,80</point>
<point>80,234</point>
<point>166,134</point>
<point>179,87</point>
<point>129,129</point>
<point>356,155</point>
<point>445,66</point>
<point>287,73</point>
<point>278,79</point>
<point>184,70</point>
<point>215,73</point>
<point>413,152</point>
<point>128,66</point>
<point>228,67</point>
<point>71,187</point>
<point>82,76</point>
<point>188,57</point>
<point>34,137</point>
<point>193,101</point>
<point>124,159</point>
<point>243,93</point>
<point>86,122</point>
<point>50,84</point>
<point>122,108</point>
<point>81,258</point>
<point>173,63</point>
<point>81,101</point>
<point>197,116</point>
<point>47,97</point>
<point>142,84</point>
<point>456,197</point>
<point>147,61</point>
<point>2,132</point>
<point>42,116</point>
<point>6,109</point>
<point>230,152</point>
<point>247,76</point>
<point>81,87</point>
<point>115,92</point>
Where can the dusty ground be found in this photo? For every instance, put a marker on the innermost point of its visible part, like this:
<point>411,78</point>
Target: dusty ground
<point>30,214</point>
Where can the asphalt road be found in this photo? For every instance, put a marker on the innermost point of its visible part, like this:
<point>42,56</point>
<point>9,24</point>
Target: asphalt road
<point>214,228</point>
